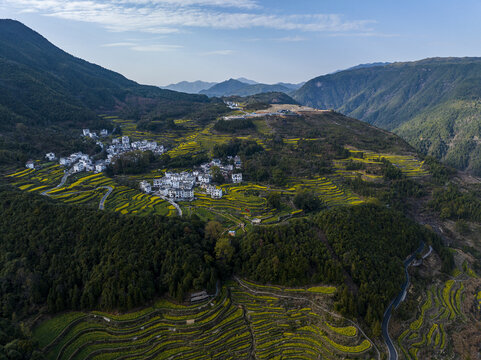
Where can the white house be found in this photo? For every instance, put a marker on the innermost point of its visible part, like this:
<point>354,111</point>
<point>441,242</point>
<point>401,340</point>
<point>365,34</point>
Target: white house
<point>145,186</point>
<point>125,141</point>
<point>30,164</point>
<point>100,166</point>
<point>158,182</point>
<point>79,167</point>
<point>188,194</point>
<point>116,141</point>
<point>215,162</point>
<point>203,179</point>
<point>104,132</point>
<point>237,162</point>
<point>217,193</point>
<point>236,178</point>
<point>50,156</point>
<point>86,132</point>
<point>64,161</point>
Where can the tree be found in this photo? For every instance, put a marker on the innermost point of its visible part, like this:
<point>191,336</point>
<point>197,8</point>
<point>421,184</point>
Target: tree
<point>217,176</point>
<point>213,230</point>
<point>274,200</point>
<point>307,201</point>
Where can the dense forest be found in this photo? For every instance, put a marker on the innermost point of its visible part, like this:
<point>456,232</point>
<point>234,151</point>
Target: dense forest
<point>74,258</point>
<point>359,248</point>
<point>66,257</point>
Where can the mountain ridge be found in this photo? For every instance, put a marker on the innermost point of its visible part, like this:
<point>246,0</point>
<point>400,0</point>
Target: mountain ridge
<point>433,103</point>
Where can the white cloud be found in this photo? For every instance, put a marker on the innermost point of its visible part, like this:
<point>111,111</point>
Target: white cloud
<point>219,52</point>
<point>291,39</point>
<point>169,16</point>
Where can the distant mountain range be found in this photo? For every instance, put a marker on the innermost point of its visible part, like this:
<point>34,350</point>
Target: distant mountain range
<point>193,87</point>
<point>238,87</point>
<point>434,104</point>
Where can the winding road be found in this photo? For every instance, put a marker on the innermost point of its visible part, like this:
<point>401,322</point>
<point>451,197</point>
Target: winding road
<point>173,203</point>
<point>64,179</point>
<point>393,355</point>
<point>102,201</point>
<point>62,183</point>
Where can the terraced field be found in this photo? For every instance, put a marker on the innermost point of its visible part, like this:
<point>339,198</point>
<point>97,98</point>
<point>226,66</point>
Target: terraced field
<point>409,165</point>
<point>427,333</point>
<point>248,200</point>
<point>243,320</point>
<point>88,189</point>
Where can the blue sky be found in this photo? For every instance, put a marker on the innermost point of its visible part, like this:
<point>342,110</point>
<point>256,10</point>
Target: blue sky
<point>163,41</point>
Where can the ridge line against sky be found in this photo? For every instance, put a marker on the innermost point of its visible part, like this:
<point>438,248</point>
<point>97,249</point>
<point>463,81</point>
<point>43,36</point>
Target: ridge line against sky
<point>163,41</point>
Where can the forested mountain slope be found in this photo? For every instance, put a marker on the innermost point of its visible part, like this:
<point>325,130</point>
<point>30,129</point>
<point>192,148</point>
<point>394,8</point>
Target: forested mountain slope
<point>40,83</point>
<point>433,103</point>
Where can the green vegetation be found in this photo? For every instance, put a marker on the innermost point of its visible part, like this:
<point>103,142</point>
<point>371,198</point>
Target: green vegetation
<point>426,334</point>
<point>432,103</point>
<point>332,247</point>
<point>234,126</point>
<point>68,257</point>
<point>236,323</point>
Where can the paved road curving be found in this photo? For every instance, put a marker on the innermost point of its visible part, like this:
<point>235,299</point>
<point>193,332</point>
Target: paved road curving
<point>173,203</point>
<point>102,201</point>
<point>62,183</point>
<point>393,355</point>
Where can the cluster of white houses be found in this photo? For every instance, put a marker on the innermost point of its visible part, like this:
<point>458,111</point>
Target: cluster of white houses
<point>123,144</point>
<point>83,162</point>
<point>180,186</point>
<point>79,162</point>
<point>93,135</point>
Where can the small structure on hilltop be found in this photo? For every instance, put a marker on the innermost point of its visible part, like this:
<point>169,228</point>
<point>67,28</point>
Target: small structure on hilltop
<point>30,164</point>
<point>50,156</point>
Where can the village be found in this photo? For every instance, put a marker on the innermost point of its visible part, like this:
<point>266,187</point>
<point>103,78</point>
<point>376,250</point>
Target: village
<point>78,162</point>
<point>174,186</point>
<point>180,186</point>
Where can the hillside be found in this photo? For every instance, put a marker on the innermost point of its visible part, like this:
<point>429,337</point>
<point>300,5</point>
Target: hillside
<point>43,84</point>
<point>43,87</point>
<point>432,103</point>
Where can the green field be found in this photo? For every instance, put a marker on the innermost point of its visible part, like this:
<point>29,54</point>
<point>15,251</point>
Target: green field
<point>426,333</point>
<point>88,189</point>
<point>243,319</point>
<point>409,165</point>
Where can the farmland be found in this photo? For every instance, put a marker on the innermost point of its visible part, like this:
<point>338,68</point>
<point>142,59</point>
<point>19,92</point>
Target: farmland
<point>88,189</point>
<point>442,306</point>
<point>242,204</point>
<point>243,320</point>
<point>408,164</point>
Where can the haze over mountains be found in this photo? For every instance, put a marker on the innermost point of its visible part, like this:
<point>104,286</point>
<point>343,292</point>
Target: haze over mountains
<point>239,87</point>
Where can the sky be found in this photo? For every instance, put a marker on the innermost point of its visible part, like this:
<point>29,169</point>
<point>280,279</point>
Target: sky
<point>159,42</point>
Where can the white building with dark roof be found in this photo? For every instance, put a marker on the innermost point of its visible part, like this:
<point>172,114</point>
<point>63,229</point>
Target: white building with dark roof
<point>236,178</point>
